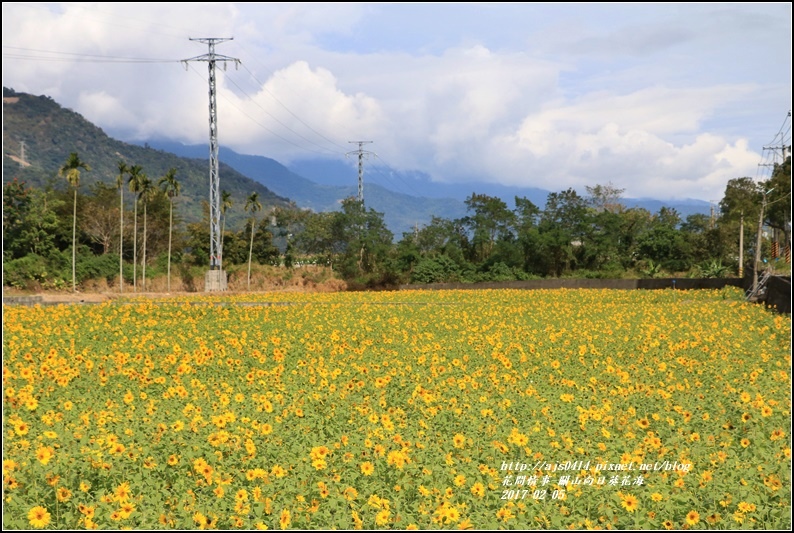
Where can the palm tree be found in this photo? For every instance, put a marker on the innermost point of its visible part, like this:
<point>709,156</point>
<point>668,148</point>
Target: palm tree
<point>71,170</point>
<point>226,203</point>
<point>146,193</point>
<point>136,179</point>
<point>252,203</point>
<point>123,169</point>
<point>171,188</point>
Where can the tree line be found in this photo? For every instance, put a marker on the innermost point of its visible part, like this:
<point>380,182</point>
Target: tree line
<point>107,234</point>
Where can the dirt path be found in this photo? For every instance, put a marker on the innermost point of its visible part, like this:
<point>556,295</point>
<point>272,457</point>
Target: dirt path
<point>79,297</point>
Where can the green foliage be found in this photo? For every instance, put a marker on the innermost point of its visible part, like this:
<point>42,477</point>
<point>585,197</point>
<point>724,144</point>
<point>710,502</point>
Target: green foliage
<point>664,244</point>
<point>264,252</point>
<point>71,169</point>
<point>591,237</point>
<point>34,271</point>
<point>24,272</point>
<point>490,219</point>
<point>712,269</point>
<point>778,211</point>
<point>500,272</point>
<point>435,270</point>
<point>651,269</point>
<point>742,198</point>
<point>29,221</point>
<point>51,133</point>
<point>361,243</point>
<point>93,267</point>
<point>198,245</point>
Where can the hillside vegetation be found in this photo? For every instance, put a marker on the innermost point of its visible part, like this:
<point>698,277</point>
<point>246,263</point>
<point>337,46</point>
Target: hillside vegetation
<point>50,133</point>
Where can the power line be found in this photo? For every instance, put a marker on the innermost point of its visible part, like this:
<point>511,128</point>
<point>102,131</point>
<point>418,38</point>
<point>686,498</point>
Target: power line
<point>771,153</point>
<point>778,134</point>
<point>408,185</point>
<point>272,74</point>
<point>242,112</point>
<point>264,88</point>
<point>75,57</point>
<point>277,120</point>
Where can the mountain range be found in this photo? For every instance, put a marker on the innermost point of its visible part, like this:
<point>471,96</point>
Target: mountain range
<point>321,185</point>
<point>39,134</point>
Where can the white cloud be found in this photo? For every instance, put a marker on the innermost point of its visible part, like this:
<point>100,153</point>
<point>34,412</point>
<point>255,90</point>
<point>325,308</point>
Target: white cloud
<point>265,118</point>
<point>658,101</point>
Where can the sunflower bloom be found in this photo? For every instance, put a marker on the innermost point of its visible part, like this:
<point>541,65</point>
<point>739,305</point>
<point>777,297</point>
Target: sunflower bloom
<point>382,518</point>
<point>39,517</point>
<point>285,519</point>
<point>630,503</point>
<point>692,518</point>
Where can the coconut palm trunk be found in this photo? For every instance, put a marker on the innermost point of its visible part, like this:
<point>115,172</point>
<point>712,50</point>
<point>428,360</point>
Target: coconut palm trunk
<point>170,186</point>
<point>71,170</point>
<point>135,250</point>
<point>146,194</point>
<point>137,178</point>
<point>121,240</point>
<point>250,251</point>
<point>123,169</point>
<point>170,230</point>
<point>74,242</point>
<point>252,203</point>
<point>143,262</point>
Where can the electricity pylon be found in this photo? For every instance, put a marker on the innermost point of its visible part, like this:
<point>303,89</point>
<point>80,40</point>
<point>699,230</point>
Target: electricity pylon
<point>215,279</point>
<point>361,152</point>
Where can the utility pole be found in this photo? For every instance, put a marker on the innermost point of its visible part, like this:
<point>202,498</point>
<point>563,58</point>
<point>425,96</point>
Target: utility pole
<point>711,219</point>
<point>758,242</point>
<point>360,153</point>
<point>215,279</point>
<point>784,149</point>
<point>22,161</point>
<point>741,246</point>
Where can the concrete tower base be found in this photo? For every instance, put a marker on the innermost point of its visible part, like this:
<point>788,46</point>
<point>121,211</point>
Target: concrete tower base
<point>215,280</point>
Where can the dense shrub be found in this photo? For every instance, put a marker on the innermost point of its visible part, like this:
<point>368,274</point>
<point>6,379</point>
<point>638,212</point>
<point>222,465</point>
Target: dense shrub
<point>435,270</point>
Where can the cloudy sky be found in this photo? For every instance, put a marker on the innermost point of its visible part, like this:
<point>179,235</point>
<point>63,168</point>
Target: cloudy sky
<point>664,100</point>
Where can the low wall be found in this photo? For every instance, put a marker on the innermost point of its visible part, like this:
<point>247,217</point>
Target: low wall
<point>22,300</point>
<point>573,283</point>
<point>778,294</point>
<point>778,290</point>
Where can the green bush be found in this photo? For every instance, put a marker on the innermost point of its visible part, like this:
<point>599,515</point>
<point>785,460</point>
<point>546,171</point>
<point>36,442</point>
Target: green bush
<point>91,266</point>
<point>435,270</point>
<point>500,272</point>
<point>26,271</point>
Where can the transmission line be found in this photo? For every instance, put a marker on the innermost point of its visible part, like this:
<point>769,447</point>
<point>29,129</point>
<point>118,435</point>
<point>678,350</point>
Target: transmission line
<point>326,150</point>
<point>82,58</point>
<point>264,88</point>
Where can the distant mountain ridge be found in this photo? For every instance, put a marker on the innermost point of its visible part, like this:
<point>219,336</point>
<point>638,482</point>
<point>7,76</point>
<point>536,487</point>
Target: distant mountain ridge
<point>39,135</point>
<point>401,212</point>
<point>321,184</point>
<point>50,132</point>
<point>333,172</point>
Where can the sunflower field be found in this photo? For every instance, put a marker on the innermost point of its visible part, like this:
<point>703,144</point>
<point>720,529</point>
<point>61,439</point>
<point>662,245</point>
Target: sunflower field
<point>499,409</point>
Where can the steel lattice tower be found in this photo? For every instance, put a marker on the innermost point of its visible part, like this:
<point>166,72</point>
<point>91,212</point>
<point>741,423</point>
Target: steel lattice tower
<point>361,152</point>
<point>215,234</point>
